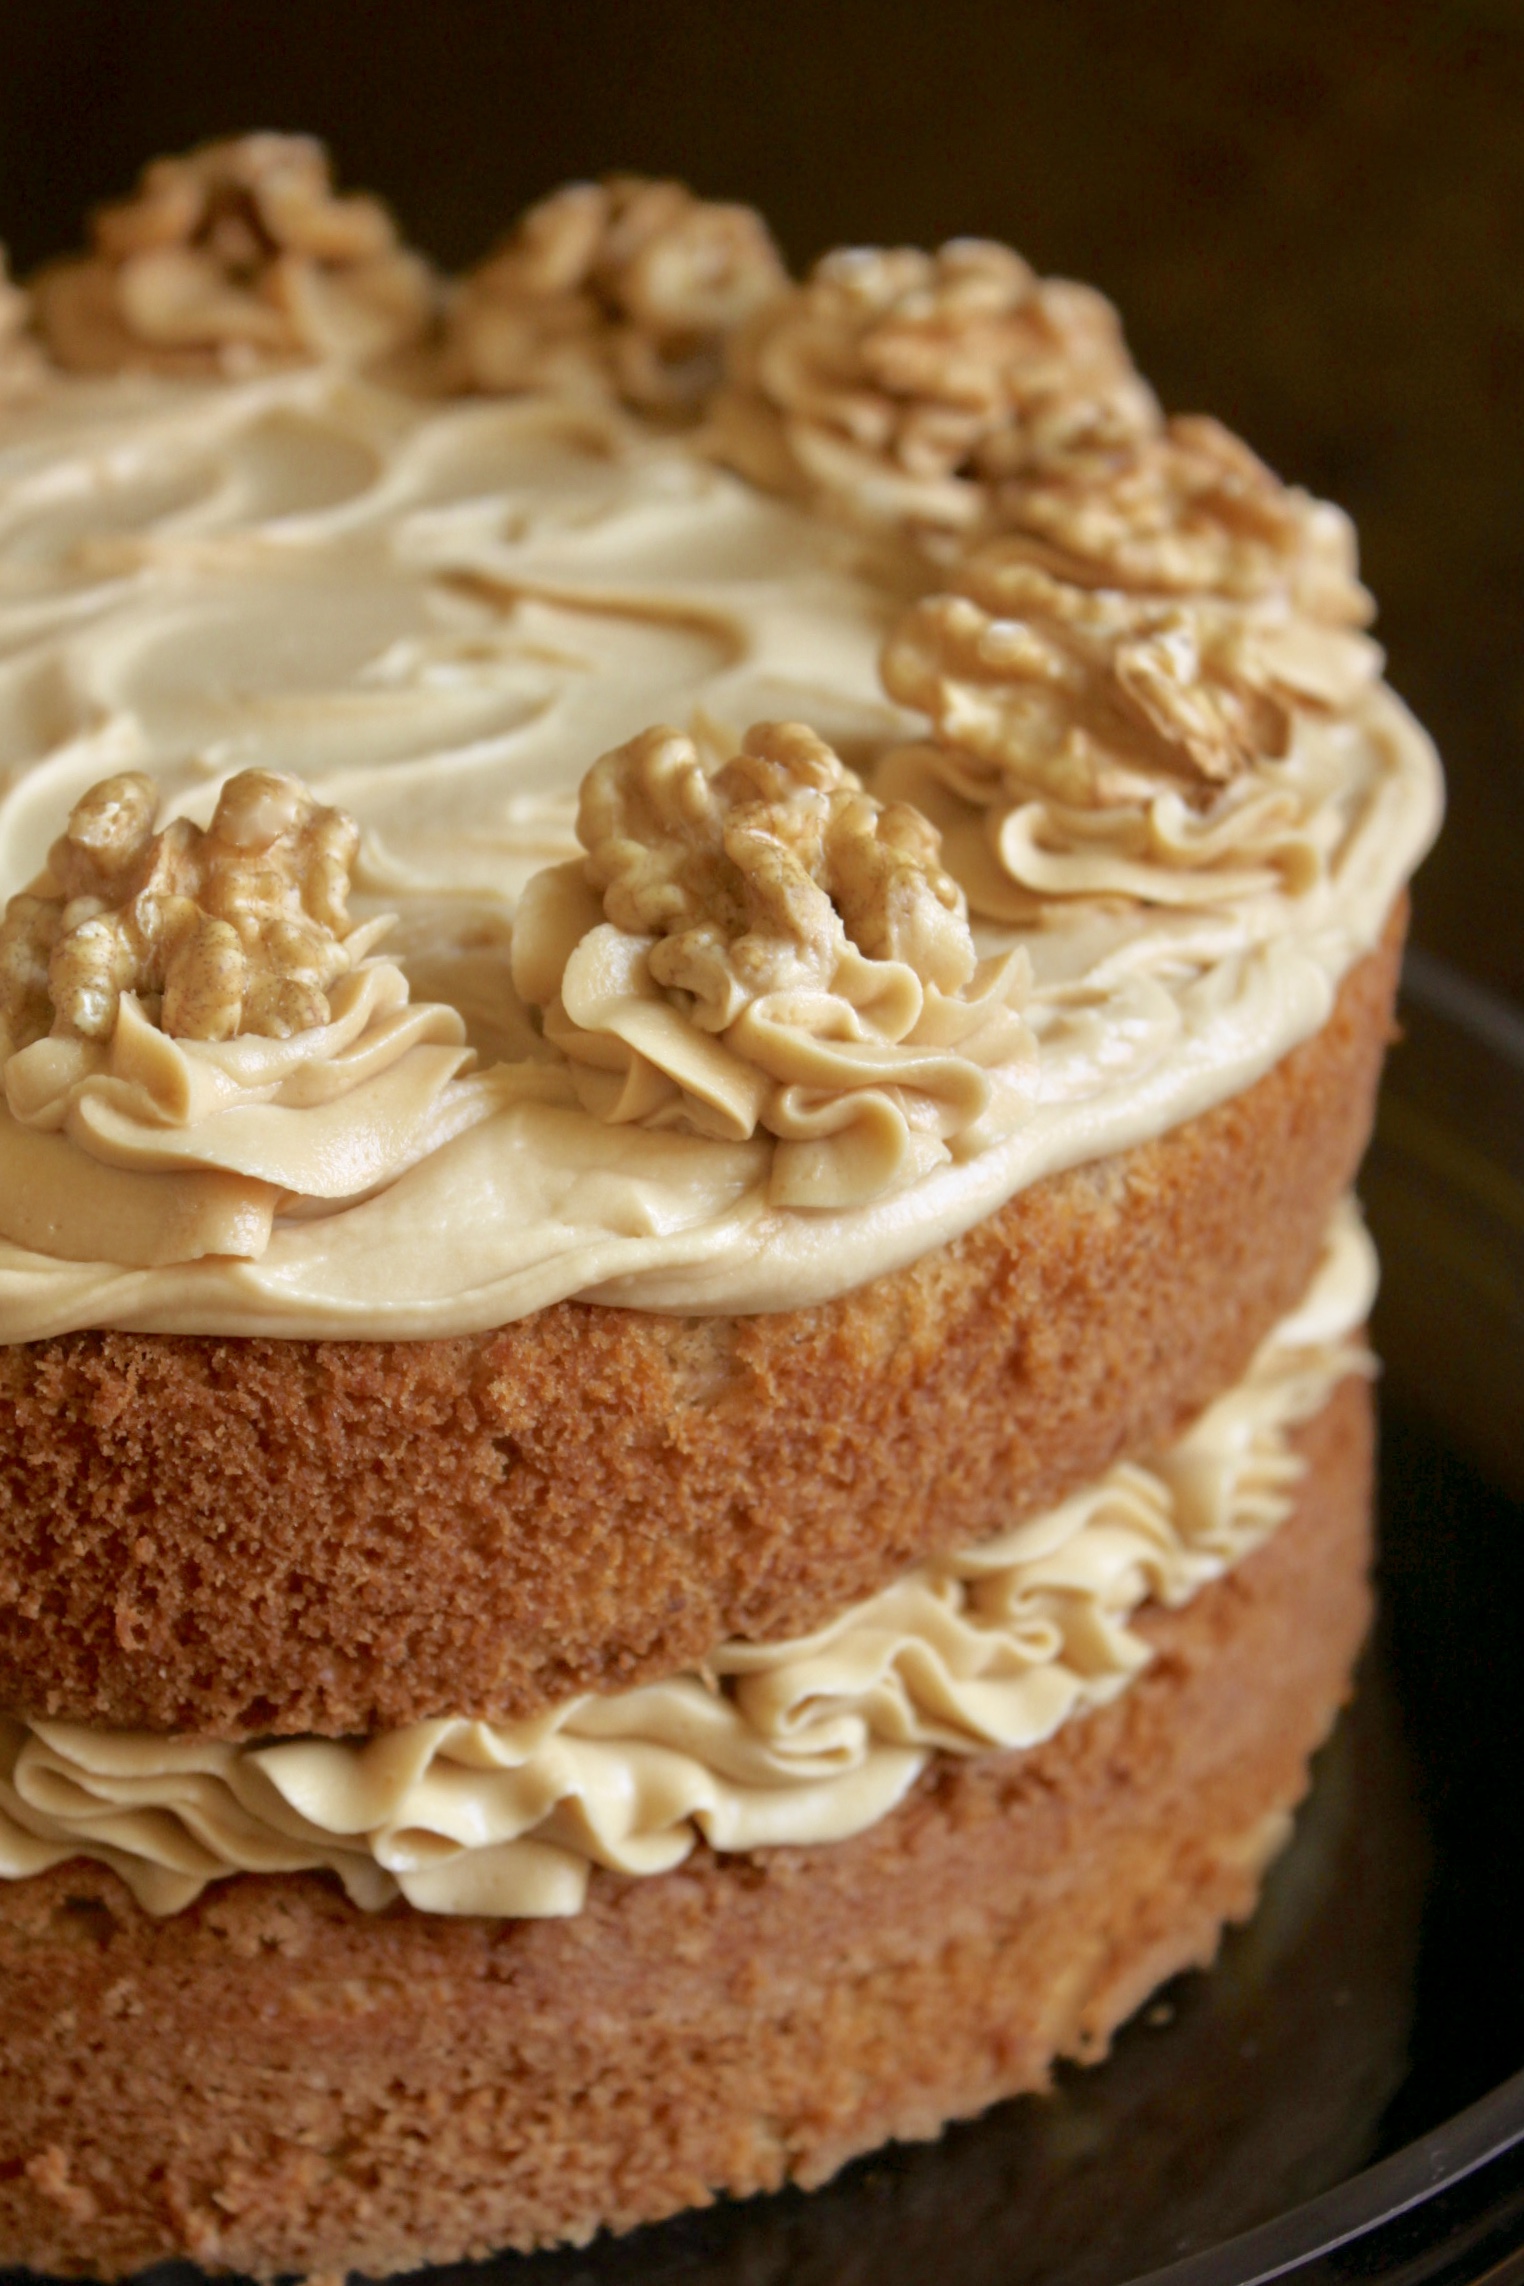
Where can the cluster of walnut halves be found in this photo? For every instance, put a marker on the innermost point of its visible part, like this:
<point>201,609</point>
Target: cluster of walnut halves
<point>902,386</point>
<point>957,395</point>
<point>623,288</point>
<point>239,929</point>
<point>1095,696</point>
<point>236,256</point>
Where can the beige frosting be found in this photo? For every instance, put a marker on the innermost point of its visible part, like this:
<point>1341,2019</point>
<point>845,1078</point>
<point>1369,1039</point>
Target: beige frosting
<point>439,616</point>
<point>258,1128</point>
<point>803,1741</point>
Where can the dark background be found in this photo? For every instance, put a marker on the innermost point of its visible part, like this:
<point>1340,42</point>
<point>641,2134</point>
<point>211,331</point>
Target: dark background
<point>1312,216</point>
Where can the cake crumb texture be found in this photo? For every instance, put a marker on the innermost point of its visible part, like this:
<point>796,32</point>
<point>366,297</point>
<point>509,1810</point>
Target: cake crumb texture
<point>274,2081</point>
<point>246,1538</point>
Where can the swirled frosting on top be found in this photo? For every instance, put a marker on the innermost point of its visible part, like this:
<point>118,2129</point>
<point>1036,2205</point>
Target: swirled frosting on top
<point>439,615</point>
<point>993,1648</point>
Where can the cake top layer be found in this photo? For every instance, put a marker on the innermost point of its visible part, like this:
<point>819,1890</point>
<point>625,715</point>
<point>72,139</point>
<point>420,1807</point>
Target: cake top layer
<point>821,756</point>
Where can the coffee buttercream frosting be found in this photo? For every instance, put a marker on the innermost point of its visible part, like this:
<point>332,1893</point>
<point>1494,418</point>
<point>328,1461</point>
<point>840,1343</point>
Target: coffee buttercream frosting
<point>805,1741</point>
<point>1167,781</point>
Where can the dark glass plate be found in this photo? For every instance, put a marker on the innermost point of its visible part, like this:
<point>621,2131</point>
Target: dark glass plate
<point>1343,2094</point>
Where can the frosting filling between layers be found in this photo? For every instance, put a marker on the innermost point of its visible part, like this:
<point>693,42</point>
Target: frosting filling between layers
<point>807,1741</point>
<point>439,616</point>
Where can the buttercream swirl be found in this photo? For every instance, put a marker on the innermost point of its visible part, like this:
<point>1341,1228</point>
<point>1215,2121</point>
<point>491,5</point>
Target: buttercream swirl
<point>798,1742</point>
<point>766,946</point>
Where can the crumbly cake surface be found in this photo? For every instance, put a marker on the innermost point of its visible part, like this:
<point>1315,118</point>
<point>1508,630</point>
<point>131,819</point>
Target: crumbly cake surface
<point>275,2081</point>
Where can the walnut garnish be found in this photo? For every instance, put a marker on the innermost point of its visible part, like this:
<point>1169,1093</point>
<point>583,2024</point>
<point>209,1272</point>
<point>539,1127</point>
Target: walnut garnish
<point>239,929</point>
<point>20,358</point>
<point>1188,510</point>
<point>901,385</point>
<point>751,880</point>
<point>236,257</point>
<point>1093,696</point>
<point>769,946</point>
<point>622,288</point>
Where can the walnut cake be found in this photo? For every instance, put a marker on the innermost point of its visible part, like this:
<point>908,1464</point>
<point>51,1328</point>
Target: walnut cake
<point>692,973</point>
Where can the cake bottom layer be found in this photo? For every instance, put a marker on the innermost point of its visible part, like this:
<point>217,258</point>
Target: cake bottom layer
<point>275,2081</point>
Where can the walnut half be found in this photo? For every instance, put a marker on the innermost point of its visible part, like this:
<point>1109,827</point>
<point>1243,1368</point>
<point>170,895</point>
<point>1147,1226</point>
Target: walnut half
<point>238,929</point>
<point>20,359</point>
<point>237,256</point>
<point>621,288</point>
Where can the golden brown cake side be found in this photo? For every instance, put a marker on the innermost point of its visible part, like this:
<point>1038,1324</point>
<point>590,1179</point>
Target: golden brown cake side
<point>274,2080</point>
<point>237,1537</point>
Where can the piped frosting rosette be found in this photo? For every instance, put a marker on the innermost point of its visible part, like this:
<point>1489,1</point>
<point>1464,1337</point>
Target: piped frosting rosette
<point>897,388</point>
<point>1097,743</point>
<point>1129,689</point>
<point>767,947</point>
<point>193,1015</point>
